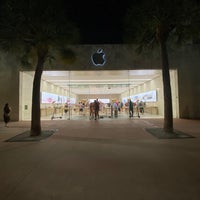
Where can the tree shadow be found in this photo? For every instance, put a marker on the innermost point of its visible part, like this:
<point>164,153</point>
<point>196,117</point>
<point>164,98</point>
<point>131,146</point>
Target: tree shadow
<point>25,136</point>
<point>160,133</point>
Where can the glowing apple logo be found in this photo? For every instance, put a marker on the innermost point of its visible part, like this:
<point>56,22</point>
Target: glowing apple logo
<point>98,58</point>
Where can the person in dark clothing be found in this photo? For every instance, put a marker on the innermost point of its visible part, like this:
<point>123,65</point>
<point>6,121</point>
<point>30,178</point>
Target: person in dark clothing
<point>6,114</point>
<point>130,107</point>
<point>96,109</point>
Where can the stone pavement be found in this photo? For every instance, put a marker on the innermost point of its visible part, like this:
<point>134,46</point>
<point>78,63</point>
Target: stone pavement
<point>108,159</point>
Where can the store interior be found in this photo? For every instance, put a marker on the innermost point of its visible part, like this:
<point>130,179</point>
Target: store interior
<point>66,95</point>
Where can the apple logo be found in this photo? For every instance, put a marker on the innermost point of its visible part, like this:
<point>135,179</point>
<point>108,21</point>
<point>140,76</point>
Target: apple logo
<point>98,58</point>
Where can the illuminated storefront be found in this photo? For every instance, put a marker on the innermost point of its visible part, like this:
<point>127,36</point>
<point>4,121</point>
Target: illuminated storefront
<point>108,72</point>
<point>79,88</point>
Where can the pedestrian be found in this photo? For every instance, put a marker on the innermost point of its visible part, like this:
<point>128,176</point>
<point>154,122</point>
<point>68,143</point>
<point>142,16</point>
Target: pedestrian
<point>115,106</point>
<point>6,114</point>
<point>66,108</point>
<point>130,107</point>
<point>96,108</point>
<point>141,107</point>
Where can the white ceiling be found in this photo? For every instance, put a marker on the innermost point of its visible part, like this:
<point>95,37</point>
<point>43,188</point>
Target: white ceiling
<point>99,82</point>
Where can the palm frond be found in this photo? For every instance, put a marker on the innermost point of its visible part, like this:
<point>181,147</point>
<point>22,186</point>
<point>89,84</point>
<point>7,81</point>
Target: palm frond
<point>181,19</point>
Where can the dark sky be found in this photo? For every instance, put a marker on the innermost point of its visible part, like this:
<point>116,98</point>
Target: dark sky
<point>99,21</point>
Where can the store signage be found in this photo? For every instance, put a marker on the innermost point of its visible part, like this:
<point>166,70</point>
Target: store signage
<point>98,58</point>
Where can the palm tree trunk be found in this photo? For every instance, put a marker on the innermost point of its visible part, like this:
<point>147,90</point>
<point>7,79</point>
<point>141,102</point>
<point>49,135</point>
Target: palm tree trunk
<point>168,113</point>
<point>35,120</point>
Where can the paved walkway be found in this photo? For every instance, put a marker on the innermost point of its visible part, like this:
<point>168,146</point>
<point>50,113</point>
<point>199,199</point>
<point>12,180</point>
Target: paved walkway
<point>109,159</point>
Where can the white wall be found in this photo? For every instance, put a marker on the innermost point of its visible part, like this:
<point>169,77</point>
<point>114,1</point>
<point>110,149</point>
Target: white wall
<point>25,98</point>
<point>175,95</point>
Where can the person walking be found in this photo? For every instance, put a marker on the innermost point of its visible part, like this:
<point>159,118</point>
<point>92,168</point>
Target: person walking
<point>6,114</point>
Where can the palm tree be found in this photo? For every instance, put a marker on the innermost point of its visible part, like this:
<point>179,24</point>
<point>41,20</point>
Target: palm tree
<point>156,22</point>
<point>35,26</point>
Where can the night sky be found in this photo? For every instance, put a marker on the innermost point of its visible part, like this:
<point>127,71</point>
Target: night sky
<point>99,21</point>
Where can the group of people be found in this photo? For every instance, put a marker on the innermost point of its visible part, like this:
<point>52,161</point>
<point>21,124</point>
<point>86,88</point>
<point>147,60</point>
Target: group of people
<point>139,105</point>
<point>139,108</point>
<point>94,110</point>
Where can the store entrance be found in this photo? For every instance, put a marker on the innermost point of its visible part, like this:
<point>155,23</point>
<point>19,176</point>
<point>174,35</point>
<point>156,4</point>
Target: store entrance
<point>66,95</point>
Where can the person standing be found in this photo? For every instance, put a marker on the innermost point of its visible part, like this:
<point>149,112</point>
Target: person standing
<point>115,106</point>
<point>141,107</point>
<point>130,107</point>
<point>66,108</point>
<point>96,108</point>
<point>6,114</point>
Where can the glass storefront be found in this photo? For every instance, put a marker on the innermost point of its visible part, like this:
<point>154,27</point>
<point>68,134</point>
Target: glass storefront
<point>67,94</point>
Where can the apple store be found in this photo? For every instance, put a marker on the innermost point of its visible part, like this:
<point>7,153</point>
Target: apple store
<point>113,74</point>
<point>79,88</point>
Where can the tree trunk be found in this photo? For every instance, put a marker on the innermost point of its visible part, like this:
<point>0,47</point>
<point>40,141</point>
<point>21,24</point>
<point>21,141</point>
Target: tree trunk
<point>35,120</point>
<point>168,113</point>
